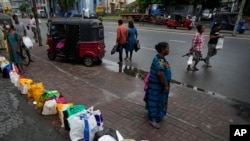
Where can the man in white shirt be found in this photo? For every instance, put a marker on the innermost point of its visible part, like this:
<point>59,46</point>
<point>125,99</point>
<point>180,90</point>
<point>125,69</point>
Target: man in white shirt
<point>21,31</point>
<point>193,21</point>
<point>33,25</point>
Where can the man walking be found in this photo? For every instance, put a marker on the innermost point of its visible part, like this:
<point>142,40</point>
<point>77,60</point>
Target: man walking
<point>21,31</point>
<point>19,26</point>
<point>33,26</point>
<point>214,36</point>
<point>121,38</point>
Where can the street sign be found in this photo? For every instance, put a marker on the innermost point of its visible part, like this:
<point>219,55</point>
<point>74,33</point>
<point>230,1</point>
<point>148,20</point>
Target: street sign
<point>99,9</point>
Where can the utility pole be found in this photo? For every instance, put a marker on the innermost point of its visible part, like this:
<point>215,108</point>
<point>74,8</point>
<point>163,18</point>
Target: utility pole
<point>34,10</point>
<point>239,16</point>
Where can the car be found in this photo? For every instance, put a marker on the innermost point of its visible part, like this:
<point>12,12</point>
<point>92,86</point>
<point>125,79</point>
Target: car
<point>207,14</point>
<point>43,14</point>
<point>91,16</point>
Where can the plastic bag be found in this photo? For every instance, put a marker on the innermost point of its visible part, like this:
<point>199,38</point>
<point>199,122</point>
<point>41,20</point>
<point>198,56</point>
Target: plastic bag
<point>61,99</point>
<point>24,81</point>
<point>99,119</point>
<point>83,125</point>
<point>24,89</point>
<point>27,42</point>
<point>220,43</point>
<point>60,108</point>
<point>72,110</point>
<point>190,60</point>
<point>49,107</point>
<point>36,91</point>
<point>137,45</point>
<point>108,134</point>
<point>115,49</point>
<point>6,71</point>
<point>48,94</point>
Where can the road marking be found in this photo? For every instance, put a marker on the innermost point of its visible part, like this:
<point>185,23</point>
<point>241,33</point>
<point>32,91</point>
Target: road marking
<point>147,48</point>
<point>112,33</point>
<point>177,41</point>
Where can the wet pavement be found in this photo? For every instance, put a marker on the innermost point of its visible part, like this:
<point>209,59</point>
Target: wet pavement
<point>193,115</point>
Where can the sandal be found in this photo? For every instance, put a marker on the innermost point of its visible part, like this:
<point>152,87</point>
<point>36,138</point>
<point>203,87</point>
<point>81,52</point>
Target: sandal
<point>154,124</point>
<point>195,69</point>
<point>189,69</point>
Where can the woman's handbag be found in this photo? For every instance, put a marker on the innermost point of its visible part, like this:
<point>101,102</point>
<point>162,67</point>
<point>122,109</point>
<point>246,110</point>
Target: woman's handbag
<point>137,45</point>
<point>115,49</point>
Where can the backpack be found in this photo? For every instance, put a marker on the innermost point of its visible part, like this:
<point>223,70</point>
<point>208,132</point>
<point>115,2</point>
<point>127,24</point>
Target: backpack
<point>146,80</point>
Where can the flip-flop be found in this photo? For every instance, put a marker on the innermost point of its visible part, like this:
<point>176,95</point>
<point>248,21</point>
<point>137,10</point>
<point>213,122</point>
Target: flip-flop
<point>154,124</point>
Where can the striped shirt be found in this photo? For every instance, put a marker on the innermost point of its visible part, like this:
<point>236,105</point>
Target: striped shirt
<point>198,42</point>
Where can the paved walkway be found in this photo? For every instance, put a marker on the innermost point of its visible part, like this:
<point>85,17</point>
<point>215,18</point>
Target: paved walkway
<point>192,115</point>
<point>19,121</point>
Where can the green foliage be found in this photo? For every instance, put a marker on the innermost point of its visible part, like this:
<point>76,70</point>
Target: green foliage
<point>23,6</point>
<point>100,18</point>
<point>65,5</point>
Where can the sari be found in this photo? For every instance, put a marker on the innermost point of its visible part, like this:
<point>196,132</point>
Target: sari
<point>156,97</point>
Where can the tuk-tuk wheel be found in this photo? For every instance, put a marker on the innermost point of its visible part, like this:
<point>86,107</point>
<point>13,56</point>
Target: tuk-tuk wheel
<point>189,28</point>
<point>98,61</point>
<point>51,56</point>
<point>88,61</point>
<point>174,27</point>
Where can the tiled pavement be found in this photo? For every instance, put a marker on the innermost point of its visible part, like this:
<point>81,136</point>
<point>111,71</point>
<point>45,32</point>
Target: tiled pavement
<point>192,115</point>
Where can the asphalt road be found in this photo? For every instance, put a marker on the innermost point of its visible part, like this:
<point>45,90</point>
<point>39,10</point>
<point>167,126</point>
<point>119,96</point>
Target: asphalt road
<point>228,77</point>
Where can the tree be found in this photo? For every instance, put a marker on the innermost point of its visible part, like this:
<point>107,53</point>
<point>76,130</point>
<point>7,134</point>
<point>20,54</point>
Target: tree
<point>65,5</point>
<point>239,16</point>
<point>24,6</point>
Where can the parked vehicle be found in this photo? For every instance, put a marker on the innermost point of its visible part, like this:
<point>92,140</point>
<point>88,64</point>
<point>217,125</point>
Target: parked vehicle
<point>207,14</point>
<point>180,20</point>
<point>4,17</point>
<point>227,20</point>
<point>76,38</point>
<point>156,9</point>
<point>91,16</point>
<point>43,14</point>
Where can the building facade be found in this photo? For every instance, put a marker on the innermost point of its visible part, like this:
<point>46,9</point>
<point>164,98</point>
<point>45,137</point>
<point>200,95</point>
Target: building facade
<point>5,5</point>
<point>15,5</point>
<point>111,6</point>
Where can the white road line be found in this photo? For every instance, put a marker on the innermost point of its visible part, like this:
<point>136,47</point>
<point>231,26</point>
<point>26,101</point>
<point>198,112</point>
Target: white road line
<point>177,41</point>
<point>112,33</point>
<point>147,48</point>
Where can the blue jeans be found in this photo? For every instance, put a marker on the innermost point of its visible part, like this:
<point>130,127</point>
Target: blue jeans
<point>121,47</point>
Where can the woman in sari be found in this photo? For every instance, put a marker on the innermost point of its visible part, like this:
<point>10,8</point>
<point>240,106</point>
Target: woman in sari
<point>158,87</point>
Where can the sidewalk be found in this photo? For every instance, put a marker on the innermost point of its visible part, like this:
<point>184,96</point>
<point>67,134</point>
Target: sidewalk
<point>192,115</point>
<point>19,121</point>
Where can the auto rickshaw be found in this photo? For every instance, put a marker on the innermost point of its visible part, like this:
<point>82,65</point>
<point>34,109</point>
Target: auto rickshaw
<point>179,20</point>
<point>4,17</point>
<point>78,39</point>
<point>227,20</point>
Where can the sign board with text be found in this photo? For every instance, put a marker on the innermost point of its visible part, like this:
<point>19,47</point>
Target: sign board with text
<point>99,9</point>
